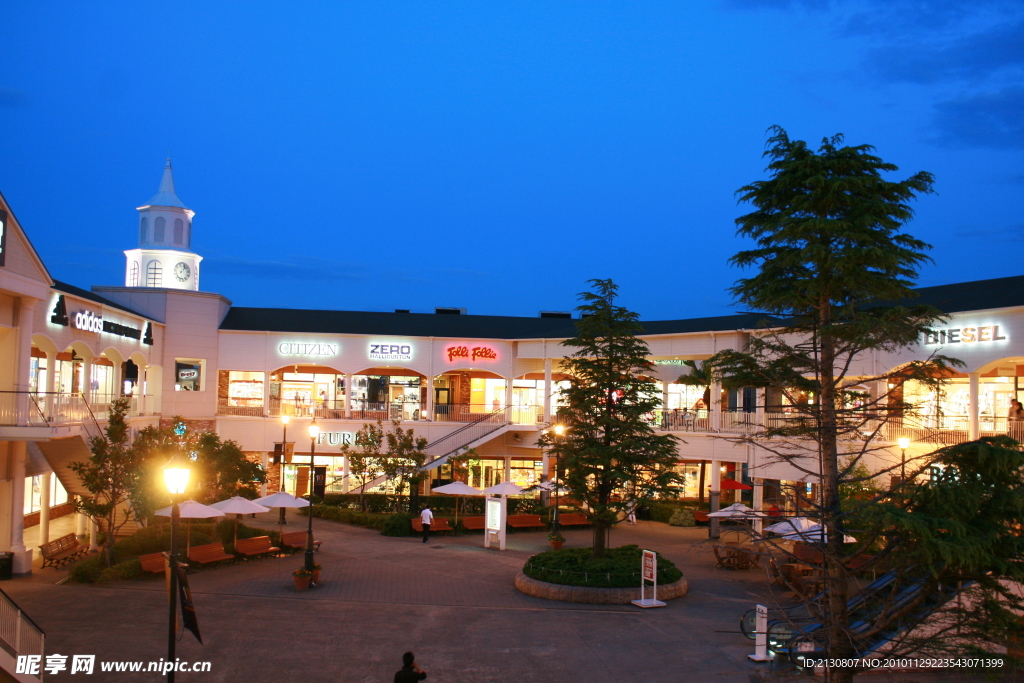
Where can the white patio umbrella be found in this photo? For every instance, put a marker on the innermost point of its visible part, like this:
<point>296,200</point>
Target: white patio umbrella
<point>787,526</point>
<point>459,489</point>
<point>815,534</point>
<point>238,506</point>
<point>737,511</point>
<point>505,488</point>
<point>282,499</point>
<point>190,510</point>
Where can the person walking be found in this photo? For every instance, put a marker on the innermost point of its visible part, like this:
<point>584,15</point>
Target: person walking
<point>426,518</point>
<point>409,673</point>
<point>631,512</point>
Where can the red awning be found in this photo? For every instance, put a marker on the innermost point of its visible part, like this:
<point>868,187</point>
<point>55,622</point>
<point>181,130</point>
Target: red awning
<point>733,485</point>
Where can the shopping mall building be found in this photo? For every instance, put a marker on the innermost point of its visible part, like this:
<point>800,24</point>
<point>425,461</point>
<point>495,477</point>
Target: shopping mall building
<point>459,380</point>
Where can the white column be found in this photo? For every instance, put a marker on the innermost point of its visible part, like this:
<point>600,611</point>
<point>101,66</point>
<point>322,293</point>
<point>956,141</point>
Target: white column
<point>44,507</point>
<point>759,408</point>
<point>266,394</point>
<point>94,533</point>
<point>87,379</point>
<point>508,468</point>
<point>51,381</point>
<point>428,410</point>
<point>115,383</point>
<point>664,405</point>
<point>972,407</point>
<point>80,526</point>
<point>346,473</point>
<point>508,398</point>
<point>22,556</point>
<point>758,501</point>
<point>547,392</point>
<point>349,390</point>
<point>715,494</point>
<point>716,406</point>
<point>25,322</point>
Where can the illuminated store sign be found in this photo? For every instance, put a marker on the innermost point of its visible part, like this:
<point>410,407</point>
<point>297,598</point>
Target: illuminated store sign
<point>471,353</point>
<point>336,438</point>
<point>88,321</point>
<point>295,349</point>
<point>390,352</point>
<point>188,374</point>
<point>669,361</point>
<point>964,335</point>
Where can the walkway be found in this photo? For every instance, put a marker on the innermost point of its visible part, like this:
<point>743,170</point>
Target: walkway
<point>451,601</point>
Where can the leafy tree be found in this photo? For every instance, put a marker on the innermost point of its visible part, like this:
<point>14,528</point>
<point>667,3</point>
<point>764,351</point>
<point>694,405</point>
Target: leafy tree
<point>364,457</point>
<point>829,254</point>
<point>403,459</point>
<point>115,475</point>
<point>701,375</point>
<point>610,454</point>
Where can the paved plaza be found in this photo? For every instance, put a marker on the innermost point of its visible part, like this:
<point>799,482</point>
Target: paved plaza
<point>450,601</point>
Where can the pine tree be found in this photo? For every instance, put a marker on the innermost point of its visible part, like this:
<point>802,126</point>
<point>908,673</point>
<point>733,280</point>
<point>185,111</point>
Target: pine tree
<point>609,452</point>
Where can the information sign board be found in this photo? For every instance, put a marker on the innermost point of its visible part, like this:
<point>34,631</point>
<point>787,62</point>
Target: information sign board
<point>493,514</point>
<point>650,564</point>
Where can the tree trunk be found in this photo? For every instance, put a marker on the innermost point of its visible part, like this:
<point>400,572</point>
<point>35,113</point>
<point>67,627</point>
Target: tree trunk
<point>700,489</point>
<point>600,534</point>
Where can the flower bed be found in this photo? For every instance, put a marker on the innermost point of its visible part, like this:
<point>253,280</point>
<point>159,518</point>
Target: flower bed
<point>620,568</point>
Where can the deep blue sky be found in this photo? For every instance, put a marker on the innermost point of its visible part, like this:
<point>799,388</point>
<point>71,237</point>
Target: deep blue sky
<point>495,156</point>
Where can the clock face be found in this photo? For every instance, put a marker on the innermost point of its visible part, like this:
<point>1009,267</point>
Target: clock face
<point>182,272</point>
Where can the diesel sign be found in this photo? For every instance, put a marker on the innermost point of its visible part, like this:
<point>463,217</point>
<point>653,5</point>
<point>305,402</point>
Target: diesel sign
<point>964,335</point>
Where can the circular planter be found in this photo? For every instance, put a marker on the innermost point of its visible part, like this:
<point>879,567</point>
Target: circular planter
<point>301,582</point>
<point>316,576</point>
<point>556,545</point>
<point>595,596</point>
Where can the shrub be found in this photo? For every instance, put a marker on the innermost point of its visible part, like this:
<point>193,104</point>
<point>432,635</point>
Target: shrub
<point>122,571</point>
<point>619,568</point>
<point>661,510</point>
<point>682,518</point>
<point>351,516</point>
<point>397,524</point>
<point>87,570</point>
<point>441,504</point>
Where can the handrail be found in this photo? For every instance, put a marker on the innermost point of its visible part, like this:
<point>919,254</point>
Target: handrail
<point>13,631</point>
<point>479,420</point>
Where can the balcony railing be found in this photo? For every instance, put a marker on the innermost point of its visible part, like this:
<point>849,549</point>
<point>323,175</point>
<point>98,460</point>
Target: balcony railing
<point>251,407</point>
<point>18,633</point>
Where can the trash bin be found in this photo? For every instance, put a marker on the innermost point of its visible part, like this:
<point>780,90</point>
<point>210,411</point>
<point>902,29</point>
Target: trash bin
<point>6,566</point>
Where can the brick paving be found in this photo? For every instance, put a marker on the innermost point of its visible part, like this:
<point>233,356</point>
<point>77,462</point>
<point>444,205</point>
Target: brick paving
<point>451,601</point>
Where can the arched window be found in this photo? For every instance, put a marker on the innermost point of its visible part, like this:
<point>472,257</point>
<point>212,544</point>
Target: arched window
<point>158,230</point>
<point>179,231</point>
<point>133,273</point>
<point>155,272</point>
<point>143,227</point>
<point>188,239</point>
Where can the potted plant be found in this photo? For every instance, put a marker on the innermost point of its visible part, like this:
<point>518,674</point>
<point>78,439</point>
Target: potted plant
<point>316,573</point>
<point>302,577</point>
<point>556,540</point>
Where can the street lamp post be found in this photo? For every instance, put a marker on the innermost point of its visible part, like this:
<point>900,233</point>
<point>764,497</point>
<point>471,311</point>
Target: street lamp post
<point>314,432</point>
<point>904,442</point>
<point>559,431</point>
<point>176,473</point>
<point>285,419</point>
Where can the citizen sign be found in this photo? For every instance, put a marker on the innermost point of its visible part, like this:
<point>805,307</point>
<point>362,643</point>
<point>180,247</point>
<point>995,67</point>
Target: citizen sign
<point>390,352</point>
<point>294,349</point>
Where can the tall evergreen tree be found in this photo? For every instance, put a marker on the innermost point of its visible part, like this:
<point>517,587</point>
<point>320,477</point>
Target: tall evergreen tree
<point>829,254</point>
<point>609,452</point>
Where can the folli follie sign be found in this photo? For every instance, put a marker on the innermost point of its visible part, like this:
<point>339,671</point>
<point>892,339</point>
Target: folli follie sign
<point>470,352</point>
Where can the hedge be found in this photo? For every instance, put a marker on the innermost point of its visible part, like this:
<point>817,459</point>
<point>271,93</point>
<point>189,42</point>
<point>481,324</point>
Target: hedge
<point>438,503</point>
<point>661,510</point>
<point>619,568</point>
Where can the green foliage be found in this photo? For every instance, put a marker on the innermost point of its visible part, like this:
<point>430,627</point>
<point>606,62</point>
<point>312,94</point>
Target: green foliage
<point>115,475</point>
<point>122,571</point>
<point>440,504</point>
<point>701,375</point>
<point>401,464</point>
<point>355,516</point>
<point>398,524</point>
<point>611,454</point>
<point>87,570</point>
<point>364,457</point>
<point>682,518</point>
<point>619,568</point>
<point>662,510</point>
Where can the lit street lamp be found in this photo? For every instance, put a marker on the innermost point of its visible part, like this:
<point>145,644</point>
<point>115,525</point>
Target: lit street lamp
<point>314,432</point>
<point>904,442</point>
<point>176,473</point>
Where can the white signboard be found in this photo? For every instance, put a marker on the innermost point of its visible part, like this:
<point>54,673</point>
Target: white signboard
<point>384,351</point>
<point>650,564</point>
<point>313,349</point>
<point>493,514</point>
<point>648,572</point>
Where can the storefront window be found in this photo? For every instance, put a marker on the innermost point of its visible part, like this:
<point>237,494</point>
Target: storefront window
<point>33,493</point>
<point>948,406</point>
<point>245,388</point>
<point>188,375</point>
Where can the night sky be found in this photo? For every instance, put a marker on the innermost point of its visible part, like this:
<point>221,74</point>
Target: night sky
<point>493,156</point>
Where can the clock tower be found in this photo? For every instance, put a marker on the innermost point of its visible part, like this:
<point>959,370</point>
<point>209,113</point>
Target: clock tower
<point>164,258</point>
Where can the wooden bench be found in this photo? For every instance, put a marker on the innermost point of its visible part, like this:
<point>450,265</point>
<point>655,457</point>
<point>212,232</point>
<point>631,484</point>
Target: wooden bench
<point>474,523</point>
<point>439,524</point>
<point>154,562</point>
<point>297,539</point>
<point>572,519</point>
<point>60,551</point>
<point>255,547</point>
<point>731,557</point>
<point>205,554</point>
<point>525,522</point>
<point>806,554</point>
<point>701,516</point>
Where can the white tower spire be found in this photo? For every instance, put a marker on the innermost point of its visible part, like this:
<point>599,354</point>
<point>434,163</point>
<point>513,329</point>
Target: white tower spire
<point>164,258</point>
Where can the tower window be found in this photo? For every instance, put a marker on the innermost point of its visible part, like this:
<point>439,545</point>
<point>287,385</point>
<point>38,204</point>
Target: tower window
<point>133,273</point>
<point>143,229</point>
<point>155,271</point>
<point>179,231</point>
<point>158,230</point>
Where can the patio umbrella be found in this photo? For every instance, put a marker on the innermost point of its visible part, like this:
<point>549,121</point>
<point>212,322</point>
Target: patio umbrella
<point>505,488</point>
<point>737,511</point>
<point>787,526</point>
<point>190,510</point>
<point>459,489</point>
<point>815,534</point>
<point>282,499</point>
<point>238,506</point>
